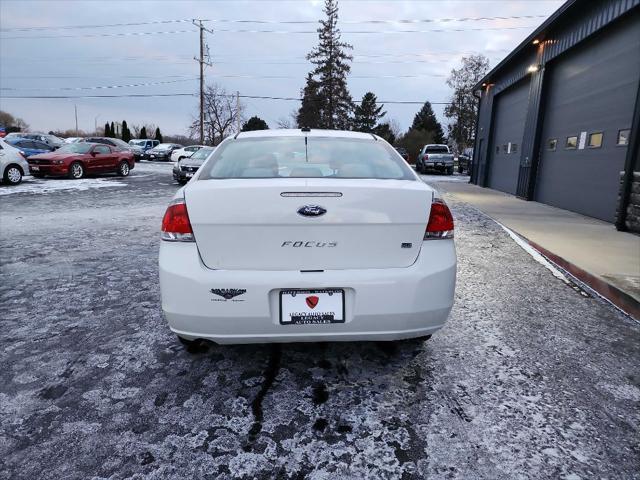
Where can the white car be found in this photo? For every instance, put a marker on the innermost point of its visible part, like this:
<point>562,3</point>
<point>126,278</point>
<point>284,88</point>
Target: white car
<point>185,152</point>
<point>304,236</point>
<point>13,165</point>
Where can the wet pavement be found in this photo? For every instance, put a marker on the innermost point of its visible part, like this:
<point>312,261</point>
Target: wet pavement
<point>531,377</point>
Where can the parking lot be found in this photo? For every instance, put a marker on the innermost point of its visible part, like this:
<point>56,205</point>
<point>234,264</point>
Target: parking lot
<point>531,378</point>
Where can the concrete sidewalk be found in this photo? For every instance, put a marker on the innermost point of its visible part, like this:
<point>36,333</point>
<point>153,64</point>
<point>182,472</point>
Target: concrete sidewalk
<point>592,250</point>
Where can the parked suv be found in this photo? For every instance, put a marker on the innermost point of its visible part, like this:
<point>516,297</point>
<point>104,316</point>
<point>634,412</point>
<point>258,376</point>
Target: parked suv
<point>435,157</point>
<point>143,145</point>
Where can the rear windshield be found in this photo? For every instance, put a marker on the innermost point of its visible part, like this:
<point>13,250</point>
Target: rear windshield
<point>436,149</point>
<point>201,154</point>
<point>328,157</point>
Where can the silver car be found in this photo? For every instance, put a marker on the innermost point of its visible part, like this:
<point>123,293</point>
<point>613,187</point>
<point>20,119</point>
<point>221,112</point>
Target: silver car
<point>13,165</point>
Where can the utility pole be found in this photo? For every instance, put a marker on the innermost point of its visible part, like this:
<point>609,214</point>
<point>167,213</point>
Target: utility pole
<point>202,62</point>
<point>238,109</point>
<point>75,108</point>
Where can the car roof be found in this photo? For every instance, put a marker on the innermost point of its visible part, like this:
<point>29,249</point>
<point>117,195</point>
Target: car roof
<point>297,132</point>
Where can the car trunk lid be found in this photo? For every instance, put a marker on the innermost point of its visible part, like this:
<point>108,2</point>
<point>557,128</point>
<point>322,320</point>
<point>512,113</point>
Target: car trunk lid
<point>254,224</point>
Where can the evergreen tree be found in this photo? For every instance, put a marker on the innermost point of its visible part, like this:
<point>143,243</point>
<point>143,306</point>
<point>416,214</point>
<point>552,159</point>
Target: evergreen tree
<point>158,135</point>
<point>107,130</point>
<point>254,123</point>
<point>112,131</point>
<point>309,113</point>
<point>143,132</point>
<point>126,133</point>
<point>426,120</point>
<point>331,69</point>
<point>385,131</point>
<point>367,114</point>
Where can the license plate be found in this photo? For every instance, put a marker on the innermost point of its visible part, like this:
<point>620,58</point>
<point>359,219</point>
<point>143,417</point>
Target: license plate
<point>35,169</point>
<point>311,307</point>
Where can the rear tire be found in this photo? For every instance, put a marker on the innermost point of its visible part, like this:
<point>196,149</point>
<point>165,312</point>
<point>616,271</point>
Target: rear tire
<point>449,171</point>
<point>76,171</point>
<point>12,175</point>
<point>460,169</point>
<point>123,168</point>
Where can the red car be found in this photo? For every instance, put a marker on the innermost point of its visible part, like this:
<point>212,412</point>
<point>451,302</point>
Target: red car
<point>76,160</point>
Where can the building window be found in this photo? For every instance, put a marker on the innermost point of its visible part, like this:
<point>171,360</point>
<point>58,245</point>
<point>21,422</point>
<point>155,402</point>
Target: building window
<point>572,143</point>
<point>595,140</point>
<point>552,143</point>
<point>623,137</point>
<point>514,148</point>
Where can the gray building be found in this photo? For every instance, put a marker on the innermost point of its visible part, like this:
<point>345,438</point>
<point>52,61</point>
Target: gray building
<point>559,116</point>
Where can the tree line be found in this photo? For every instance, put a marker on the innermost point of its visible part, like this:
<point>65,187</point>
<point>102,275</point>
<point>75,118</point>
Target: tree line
<point>327,103</point>
<point>122,131</point>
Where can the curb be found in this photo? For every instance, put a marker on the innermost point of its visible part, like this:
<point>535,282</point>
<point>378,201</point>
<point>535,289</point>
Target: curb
<point>619,298</point>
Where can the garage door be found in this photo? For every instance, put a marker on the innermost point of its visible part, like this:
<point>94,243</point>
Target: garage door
<point>510,111</point>
<point>589,107</point>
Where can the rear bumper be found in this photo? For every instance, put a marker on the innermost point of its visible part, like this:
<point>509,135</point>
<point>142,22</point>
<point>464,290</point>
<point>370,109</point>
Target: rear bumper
<point>380,304</point>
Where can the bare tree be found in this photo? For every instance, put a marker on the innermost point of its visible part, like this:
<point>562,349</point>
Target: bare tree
<point>290,122</point>
<point>463,108</point>
<point>222,113</point>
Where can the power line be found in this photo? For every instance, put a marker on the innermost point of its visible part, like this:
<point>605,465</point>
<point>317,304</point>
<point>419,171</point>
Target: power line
<point>149,84</point>
<point>284,32</point>
<point>100,87</point>
<point>253,97</point>
<point>97,35</point>
<point>275,22</point>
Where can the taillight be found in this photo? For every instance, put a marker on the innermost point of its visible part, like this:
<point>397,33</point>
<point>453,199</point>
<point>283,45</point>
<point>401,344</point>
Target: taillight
<point>176,226</point>
<point>426,157</point>
<point>440,223</point>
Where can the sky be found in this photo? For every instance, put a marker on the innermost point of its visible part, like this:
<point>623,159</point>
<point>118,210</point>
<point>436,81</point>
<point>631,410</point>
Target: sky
<point>403,51</point>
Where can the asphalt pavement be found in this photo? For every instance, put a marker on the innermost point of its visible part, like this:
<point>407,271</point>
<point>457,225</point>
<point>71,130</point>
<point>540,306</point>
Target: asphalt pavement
<point>532,377</point>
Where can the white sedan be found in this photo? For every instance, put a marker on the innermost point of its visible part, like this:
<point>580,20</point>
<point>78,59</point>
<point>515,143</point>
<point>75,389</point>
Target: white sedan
<point>184,152</point>
<point>13,165</point>
<point>304,236</point>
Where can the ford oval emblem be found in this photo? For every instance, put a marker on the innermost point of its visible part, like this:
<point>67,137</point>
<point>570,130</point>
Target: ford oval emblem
<point>311,211</point>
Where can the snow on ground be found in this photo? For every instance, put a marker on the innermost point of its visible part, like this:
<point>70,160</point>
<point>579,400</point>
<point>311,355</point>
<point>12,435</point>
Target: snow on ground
<point>528,379</point>
<point>155,167</point>
<point>48,185</point>
<point>430,179</point>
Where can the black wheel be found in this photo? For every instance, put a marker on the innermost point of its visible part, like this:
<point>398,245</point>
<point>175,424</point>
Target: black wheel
<point>182,182</point>
<point>123,168</point>
<point>450,171</point>
<point>12,175</point>
<point>460,169</point>
<point>76,171</point>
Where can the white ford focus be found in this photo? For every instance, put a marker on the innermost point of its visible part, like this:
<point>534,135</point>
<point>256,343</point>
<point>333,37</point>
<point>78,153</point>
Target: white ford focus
<point>301,236</point>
